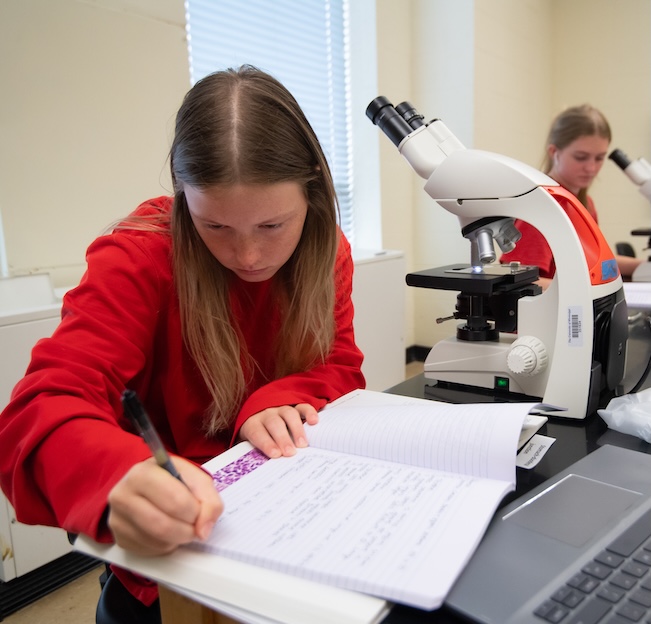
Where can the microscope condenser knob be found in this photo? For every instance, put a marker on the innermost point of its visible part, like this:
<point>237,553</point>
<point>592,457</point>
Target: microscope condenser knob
<point>527,356</point>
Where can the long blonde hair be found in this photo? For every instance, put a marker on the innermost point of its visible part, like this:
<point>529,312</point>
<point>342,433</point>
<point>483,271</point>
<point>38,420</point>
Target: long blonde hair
<point>571,124</point>
<point>243,127</point>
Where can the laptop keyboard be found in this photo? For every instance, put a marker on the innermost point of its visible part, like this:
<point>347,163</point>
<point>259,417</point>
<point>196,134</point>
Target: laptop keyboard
<point>613,588</point>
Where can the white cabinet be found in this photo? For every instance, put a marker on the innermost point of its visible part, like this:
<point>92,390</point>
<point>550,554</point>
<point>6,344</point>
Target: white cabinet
<point>379,299</point>
<point>28,312</point>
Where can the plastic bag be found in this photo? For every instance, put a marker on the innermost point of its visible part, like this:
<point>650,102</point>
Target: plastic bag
<point>630,413</point>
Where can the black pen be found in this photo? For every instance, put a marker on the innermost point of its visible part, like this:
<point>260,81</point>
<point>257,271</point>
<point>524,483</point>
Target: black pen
<point>136,412</point>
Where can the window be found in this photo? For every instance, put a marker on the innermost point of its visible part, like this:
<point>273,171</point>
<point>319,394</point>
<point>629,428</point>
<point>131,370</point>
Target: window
<point>306,44</point>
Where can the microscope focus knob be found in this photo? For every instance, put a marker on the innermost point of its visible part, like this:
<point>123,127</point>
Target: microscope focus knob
<point>527,356</point>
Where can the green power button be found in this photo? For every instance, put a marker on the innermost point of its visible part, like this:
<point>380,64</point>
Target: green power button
<point>501,383</point>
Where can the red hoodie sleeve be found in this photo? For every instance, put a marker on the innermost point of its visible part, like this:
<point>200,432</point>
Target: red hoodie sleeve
<point>532,250</point>
<point>64,443</point>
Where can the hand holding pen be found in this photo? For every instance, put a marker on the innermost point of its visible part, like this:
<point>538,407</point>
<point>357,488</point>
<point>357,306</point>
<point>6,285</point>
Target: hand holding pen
<point>151,514</point>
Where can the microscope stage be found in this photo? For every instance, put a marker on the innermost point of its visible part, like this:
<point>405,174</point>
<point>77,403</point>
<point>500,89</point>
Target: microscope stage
<point>461,277</point>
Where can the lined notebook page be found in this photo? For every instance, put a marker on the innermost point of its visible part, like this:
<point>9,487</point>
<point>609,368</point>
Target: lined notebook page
<point>339,513</point>
<point>399,532</point>
<point>478,440</point>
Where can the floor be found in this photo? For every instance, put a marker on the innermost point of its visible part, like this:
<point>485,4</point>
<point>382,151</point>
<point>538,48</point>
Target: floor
<point>75,602</point>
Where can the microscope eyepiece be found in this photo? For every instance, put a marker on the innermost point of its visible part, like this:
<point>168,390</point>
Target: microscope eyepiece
<point>383,114</point>
<point>620,158</point>
<point>409,113</point>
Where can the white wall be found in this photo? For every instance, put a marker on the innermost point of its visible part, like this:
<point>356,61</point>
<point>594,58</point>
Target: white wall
<point>90,89</point>
<point>607,62</point>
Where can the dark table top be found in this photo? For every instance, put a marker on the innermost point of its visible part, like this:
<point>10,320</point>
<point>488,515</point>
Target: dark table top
<point>574,440</point>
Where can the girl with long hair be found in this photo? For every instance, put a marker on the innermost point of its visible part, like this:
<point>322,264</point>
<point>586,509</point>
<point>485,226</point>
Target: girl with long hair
<point>226,307</point>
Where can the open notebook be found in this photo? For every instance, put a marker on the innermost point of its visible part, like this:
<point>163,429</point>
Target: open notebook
<point>388,489</point>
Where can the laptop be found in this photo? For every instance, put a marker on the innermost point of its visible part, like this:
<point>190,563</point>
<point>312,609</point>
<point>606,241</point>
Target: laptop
<point>576,549</point>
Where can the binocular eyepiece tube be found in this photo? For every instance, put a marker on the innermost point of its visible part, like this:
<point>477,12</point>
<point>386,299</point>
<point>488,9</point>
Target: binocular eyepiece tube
<point>409,113</point>
<point>620,158</point>
<point>396,122</point>
<point>638,170</point>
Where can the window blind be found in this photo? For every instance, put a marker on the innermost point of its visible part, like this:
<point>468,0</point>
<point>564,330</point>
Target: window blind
<point>302,43</point>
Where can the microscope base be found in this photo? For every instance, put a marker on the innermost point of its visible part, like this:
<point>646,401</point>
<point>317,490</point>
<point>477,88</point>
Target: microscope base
<point>481,365</point>
<point>457,371</point>
<point>459,393</point>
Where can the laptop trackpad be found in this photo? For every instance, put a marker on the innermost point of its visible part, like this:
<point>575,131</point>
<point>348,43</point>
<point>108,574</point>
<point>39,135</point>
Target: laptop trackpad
<point>574,510</point>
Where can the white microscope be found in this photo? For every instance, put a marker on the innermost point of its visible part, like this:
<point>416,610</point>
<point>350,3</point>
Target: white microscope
<point>570,347</point>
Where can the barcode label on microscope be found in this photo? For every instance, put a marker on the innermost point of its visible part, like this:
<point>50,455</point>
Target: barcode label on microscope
<point>574,326</point>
